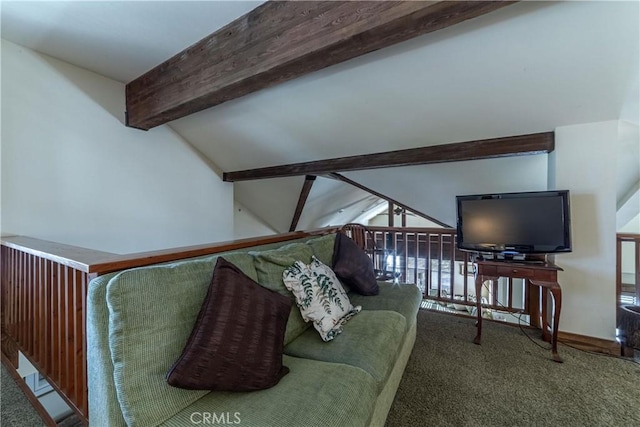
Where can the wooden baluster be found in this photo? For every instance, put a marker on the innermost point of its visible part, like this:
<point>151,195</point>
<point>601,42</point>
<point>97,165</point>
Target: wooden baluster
<point>452,266</point>
<point>46,307</point>
<point>78,313</point>
<point>11,291</point>
<point>465,272</point>
<point>33,288</point>
<point>69,365</point>
<point>56,327</point>
<point>15,286</point>
<point>533,303</point>
<point>510,294</point>
<point>37,290</point>
<point>393,249</point>
<point>25,308</point>
<point>405,236</point>
<point>85,290</point>
<point>440,250</point>
<point>385,251</point>
<point>30,304</point>
<point>24,297</point>
<point>428,265</point>
<point>5,305</point>
<point>416,258</point>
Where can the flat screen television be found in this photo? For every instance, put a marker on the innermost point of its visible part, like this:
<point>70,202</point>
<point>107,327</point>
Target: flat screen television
<point>512,224</point>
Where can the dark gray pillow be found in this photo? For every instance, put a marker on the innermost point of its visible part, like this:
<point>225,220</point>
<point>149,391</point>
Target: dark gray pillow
<point>237,341</point>
<point>353,266</point>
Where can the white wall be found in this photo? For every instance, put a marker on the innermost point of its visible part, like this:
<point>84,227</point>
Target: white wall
<point>73,173</point>
<point>585,163</point>
<point>632,226</point>
<point>246,224</point>
<point>628,262</point>
<point>432,188</point>
<point>382,220</point>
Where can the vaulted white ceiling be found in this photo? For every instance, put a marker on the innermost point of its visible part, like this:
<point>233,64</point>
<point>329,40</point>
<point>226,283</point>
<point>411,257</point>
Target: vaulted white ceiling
<point>529,67</point>
<point>118,39</point>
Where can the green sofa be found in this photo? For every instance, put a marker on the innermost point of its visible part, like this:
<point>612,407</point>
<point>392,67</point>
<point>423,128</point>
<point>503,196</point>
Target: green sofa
<point>138,322</point>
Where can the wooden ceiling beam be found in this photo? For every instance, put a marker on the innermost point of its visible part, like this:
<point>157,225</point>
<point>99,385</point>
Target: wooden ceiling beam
<point>302,200</point>
<point>537,143</point>
<point>391,202</point>
<point>280,41</point>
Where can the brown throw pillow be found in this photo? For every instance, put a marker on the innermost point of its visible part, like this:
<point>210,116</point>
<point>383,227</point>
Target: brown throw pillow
<point>237,341</point>
<point>353,266</point>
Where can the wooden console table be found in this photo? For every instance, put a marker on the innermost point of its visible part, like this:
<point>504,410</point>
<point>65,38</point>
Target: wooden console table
<point>543,274</point>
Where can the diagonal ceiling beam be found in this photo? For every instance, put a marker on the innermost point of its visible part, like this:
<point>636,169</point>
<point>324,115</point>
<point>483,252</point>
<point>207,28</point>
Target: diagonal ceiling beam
<point>537,143</point>
<point>279,41</point>
<point>391,201</point>
<point>302,200</point>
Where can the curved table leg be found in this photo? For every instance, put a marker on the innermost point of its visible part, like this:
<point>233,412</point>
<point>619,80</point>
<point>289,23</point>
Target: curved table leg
<point>545,318</point>
<point>556,293</point>
<point>480,279</point>
<point>557,305</point>
<point>478,338</point>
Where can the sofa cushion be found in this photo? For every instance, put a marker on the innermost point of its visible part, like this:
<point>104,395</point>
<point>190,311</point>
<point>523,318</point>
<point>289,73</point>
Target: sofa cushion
<point>152,311</point>
<point>319,297</point>
<point>244,262</point>
<point>103,400</point>
<point>313,394</point>
<point>269,267</point>
<point>371,341</point>
<point>323,247</point>
<point>323,250</point>
<point>353,266</point>
<point>402,298</point>
<point>236,343</point>
<point>270,264</point>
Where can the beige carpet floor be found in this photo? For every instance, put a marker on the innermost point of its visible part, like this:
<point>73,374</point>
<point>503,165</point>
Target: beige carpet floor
<point>509,381</point>
<point>15,408</point>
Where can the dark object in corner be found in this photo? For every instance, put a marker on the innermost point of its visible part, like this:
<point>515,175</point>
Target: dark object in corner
<point>628,326</point>
<point>353,266</point>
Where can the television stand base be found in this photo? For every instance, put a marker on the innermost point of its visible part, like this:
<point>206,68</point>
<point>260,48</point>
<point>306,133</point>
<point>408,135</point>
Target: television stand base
<point>543,275</point>
<point>524,258</point>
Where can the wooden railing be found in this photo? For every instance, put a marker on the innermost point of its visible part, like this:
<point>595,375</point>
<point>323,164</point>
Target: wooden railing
<point>628,268</point>
<point>429,258</point>
<point>44,289</point>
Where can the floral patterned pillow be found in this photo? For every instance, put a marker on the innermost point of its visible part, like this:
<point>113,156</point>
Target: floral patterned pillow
<point>320,297</point>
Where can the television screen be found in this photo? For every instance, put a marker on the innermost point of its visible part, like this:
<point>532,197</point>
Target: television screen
<point>514,223</point>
